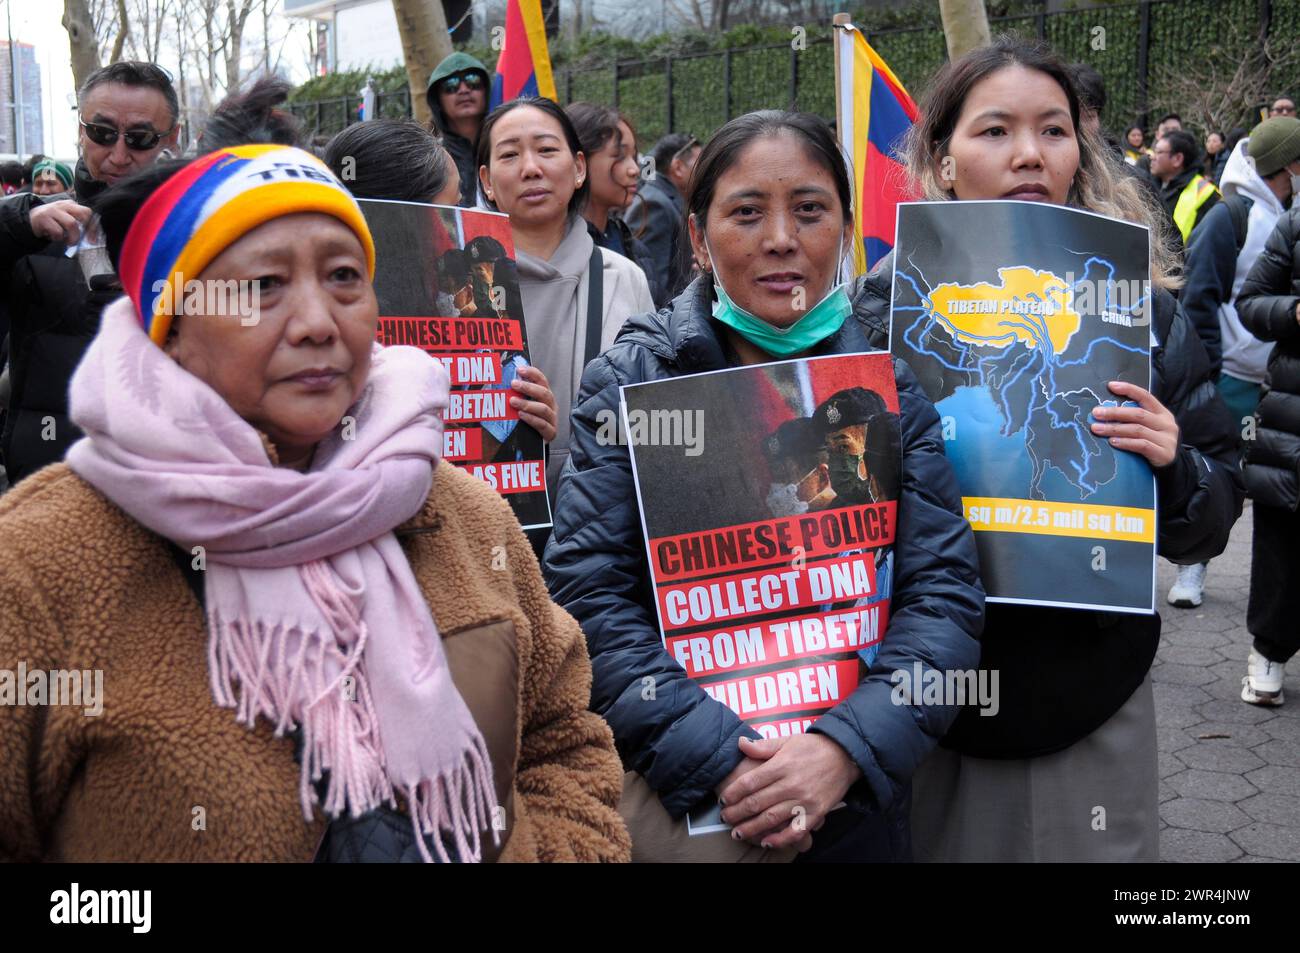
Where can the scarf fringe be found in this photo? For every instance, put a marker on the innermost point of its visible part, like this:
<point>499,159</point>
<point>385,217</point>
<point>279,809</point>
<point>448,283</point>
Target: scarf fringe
<point>341,735</point>
<point>460,802</point>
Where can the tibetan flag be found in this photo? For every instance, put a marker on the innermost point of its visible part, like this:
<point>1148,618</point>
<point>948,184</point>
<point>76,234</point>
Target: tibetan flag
<point>524,67</point>
<point>874,114</point>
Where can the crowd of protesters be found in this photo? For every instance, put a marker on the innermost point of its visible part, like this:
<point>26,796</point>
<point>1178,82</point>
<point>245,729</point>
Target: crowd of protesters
<point>183,513</point>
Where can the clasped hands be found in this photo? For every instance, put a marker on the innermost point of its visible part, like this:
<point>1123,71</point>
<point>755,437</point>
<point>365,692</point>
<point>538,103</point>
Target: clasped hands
<point>783,789</point>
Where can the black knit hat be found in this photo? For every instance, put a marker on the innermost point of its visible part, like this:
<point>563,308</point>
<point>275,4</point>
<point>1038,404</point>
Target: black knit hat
<point>1275,144</point>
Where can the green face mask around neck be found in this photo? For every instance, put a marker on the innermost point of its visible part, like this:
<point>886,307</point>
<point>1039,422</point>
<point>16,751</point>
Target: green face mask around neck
<point>822,320</point>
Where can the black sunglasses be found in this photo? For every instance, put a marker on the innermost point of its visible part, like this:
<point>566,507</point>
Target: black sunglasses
<point>471,80</point>
<point>138,140</point>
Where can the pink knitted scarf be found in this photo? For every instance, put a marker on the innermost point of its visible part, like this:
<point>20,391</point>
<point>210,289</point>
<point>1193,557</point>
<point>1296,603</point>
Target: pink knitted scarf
<point>315,619</point>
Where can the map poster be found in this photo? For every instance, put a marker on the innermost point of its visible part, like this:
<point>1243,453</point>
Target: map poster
<point>768,499</point>
<point>446,282</point>
<point>1015,316</point>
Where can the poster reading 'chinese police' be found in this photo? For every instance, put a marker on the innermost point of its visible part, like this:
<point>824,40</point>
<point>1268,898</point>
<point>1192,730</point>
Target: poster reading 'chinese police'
<point>768,499</point>
<point>446,282</point>
<point>1015,316</point>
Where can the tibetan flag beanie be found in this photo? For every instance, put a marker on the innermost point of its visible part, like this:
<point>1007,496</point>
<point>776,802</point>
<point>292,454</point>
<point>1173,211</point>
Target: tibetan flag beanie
<point>213,202</point>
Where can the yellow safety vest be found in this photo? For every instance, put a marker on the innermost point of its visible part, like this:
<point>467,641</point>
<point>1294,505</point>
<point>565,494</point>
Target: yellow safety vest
<point>1194,195</point>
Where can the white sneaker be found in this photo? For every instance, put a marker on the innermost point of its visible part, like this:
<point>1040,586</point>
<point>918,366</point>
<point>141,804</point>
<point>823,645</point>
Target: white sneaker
<point>1262,684</point>
<point>1187,590</point>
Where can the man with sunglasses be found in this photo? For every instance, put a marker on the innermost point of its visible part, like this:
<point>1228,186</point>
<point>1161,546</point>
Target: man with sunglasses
<point>128,115</point>
<point>458,98</point>
<point>657,215</point>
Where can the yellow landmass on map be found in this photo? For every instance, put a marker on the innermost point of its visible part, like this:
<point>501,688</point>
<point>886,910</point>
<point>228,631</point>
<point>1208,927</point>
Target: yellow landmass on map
<point>997,316</point>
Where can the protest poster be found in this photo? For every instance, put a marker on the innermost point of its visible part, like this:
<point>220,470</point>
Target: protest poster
<point>1015,316</point>
<point>768,499</point>
<point>446,282</point>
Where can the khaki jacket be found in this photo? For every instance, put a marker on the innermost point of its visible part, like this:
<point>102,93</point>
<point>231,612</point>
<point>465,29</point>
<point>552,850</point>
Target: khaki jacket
<point>163,774</point>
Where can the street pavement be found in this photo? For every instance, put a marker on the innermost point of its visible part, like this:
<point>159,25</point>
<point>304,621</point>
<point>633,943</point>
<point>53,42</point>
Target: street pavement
<point>1229,772</point>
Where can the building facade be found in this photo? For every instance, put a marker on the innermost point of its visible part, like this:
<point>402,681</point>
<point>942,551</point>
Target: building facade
<point>362,34</point>
<point>20,92</point>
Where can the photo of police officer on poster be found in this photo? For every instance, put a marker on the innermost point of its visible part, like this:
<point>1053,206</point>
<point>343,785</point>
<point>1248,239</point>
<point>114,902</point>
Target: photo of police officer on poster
<point>768,498</point>
<point>446,283</point>
<point>1016,318</point>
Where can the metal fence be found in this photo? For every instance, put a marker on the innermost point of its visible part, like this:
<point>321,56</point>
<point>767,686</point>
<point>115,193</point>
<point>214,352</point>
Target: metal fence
<point>328,116</point>
<point>1131,44</point>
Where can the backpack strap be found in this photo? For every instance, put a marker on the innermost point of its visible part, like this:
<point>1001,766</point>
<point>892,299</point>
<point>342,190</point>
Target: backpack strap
<point>1239,208</point>
<point>595,304</point>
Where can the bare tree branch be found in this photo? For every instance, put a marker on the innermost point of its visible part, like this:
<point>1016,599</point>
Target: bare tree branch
<point>123,28</point>
<point>266,36</point>
<point>163,9</point>
<point>103,15</point>
<point>79,21</point>
<point>1222,89</point>
<point>698,14</point>
<point>236,18</point>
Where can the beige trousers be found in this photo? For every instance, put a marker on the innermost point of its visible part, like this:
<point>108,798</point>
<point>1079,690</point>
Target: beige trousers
<point>658,839</point>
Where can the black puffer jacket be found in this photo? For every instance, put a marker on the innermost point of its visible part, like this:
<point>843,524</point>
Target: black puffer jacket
<point>658,217</point>
<point>1064,672</point>
<point>684,743</point>
<point>53,315</point>
<point>1267,307</point>
<point>635,250</point>
<point>16,240</point>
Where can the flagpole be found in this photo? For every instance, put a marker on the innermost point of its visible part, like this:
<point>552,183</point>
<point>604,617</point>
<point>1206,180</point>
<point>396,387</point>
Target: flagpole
<point>841,20</point>
<point>855,263</point>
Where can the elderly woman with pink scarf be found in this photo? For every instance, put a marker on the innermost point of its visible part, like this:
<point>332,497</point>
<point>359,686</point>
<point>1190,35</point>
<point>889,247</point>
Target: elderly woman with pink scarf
<point>295,633</point>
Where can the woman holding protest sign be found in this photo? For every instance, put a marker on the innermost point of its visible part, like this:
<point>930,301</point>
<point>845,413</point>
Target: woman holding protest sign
<point>1066,770</point>
<point>770,211</point>
<point>258,520</point>
<point>401,161</point>
<point>576,295</point>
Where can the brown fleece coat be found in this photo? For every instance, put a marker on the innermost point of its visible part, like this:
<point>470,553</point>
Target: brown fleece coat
<point>165,774</point>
